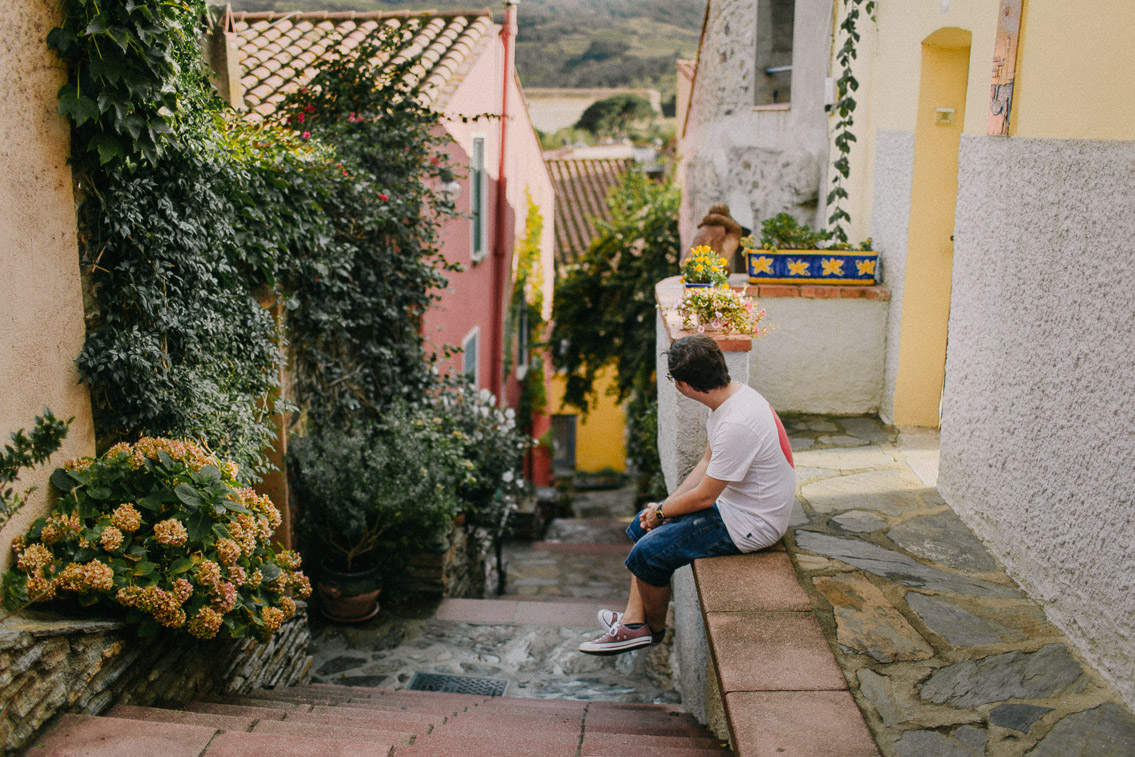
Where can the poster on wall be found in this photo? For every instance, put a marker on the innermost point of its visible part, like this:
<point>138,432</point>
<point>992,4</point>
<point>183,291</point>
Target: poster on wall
<point>1004,67</point>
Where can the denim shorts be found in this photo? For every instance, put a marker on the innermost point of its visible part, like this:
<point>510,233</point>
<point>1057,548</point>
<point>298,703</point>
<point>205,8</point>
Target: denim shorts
<point>679,541</point>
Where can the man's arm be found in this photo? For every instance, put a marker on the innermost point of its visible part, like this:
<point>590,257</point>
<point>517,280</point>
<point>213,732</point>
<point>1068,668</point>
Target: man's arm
<point>697,492</point>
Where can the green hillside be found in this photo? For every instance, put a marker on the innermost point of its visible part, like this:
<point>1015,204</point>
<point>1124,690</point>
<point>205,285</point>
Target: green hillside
<point>570,43</point>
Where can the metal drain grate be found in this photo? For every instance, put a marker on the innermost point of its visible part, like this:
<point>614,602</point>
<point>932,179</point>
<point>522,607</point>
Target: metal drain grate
<point>450,684</point>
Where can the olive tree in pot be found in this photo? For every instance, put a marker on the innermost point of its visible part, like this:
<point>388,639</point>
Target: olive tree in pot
<point>368,496</point>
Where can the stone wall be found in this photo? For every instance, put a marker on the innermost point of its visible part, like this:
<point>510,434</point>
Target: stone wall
<point>759,160</point>
<point>456,571</point>
<point>1038,409</point>
<point>49,665</point>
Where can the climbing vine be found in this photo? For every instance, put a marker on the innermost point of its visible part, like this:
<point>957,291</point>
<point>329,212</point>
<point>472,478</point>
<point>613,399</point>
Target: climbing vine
<point>844,107</point>
<point>604,312</point>
<point>191,221</point>
<point>524,322</point>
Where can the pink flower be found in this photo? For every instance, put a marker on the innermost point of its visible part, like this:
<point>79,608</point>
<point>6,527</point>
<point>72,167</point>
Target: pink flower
<point>309,109</point>
<point>306,135</point>
<point>701,329</point>
<point>301,117</point>
<point>351,117</point>
<point>383,197</point>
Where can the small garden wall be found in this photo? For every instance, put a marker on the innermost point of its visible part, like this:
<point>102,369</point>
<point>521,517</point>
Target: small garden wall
<point>458,571</point>
<point>50,665</point>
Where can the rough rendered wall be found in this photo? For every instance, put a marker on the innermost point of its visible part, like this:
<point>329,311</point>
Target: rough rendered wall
<point>41,307</point>
<point>1037,439</point>
<point>760,162</point>
<point>894,172</point>
<point>821,356</point>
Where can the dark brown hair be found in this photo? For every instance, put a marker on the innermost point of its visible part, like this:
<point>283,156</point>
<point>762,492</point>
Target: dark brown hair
<point>698,361</point>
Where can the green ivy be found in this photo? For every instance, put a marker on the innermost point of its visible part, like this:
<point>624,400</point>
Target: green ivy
<point>27,452</point>
<point>526,312</point>
<point>191,218</point>
<point>355,323</point>
<point>844,106</point>
<point>604,311</point>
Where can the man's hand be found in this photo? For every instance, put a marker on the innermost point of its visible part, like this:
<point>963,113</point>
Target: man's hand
<point>648,518</point>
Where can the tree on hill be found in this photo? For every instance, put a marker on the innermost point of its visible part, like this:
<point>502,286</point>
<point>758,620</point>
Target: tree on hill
<point>613,116</point>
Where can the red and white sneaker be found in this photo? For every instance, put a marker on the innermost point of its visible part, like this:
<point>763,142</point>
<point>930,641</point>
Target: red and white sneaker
<point>609,619</point>
<point>619,639</point>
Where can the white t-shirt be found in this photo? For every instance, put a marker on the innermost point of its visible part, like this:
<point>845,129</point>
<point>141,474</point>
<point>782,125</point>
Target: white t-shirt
<point>745,450</point>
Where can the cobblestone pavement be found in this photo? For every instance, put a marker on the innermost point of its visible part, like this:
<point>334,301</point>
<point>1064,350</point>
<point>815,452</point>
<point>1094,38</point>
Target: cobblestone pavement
<point>944,654</point>
<point>540,659</point>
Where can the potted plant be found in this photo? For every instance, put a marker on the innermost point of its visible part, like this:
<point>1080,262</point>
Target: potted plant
<point>790,253</point>
<point>369,495</point>
<point>722,310</point>
<point>704,268</point>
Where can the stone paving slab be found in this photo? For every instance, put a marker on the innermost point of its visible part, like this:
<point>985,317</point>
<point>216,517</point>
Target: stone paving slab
<point>945,655</point>
<point>767,651</point>
<point>772,724</point>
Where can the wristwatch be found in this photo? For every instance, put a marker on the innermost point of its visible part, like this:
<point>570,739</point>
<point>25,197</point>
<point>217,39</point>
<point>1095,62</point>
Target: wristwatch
<point>658,513</point>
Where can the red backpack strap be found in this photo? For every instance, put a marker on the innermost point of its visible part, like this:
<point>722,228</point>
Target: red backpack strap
<point>782,435</point>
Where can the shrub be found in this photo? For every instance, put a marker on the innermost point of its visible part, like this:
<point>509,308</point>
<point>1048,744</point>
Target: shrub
<point>163,529</point>
<point>26,452</point>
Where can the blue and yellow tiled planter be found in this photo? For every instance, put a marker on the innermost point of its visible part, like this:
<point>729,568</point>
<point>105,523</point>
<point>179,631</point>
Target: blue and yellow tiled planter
<point>813,267</point>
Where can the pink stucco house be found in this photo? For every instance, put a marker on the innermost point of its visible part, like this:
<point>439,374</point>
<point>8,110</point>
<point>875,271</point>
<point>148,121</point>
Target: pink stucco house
<point>466,70</point>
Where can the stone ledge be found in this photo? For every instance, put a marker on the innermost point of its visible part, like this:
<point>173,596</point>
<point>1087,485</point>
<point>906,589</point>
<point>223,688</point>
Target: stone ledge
<point>776,686</point>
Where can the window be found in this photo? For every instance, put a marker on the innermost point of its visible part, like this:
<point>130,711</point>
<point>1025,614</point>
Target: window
<point>773,78</point>
<point>469,356</point>
<point>478,206</point>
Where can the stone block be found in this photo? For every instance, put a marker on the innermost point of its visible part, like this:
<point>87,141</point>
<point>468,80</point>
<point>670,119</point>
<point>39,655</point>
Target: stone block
<point>867,623</point>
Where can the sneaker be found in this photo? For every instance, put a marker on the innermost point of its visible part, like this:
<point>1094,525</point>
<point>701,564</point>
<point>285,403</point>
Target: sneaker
<point>619,639</point>
<point>608,619</point>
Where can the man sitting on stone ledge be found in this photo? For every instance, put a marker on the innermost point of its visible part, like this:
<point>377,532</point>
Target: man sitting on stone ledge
<point>737,499</point>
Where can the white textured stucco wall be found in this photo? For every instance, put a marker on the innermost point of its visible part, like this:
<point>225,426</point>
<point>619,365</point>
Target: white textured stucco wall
<point>894,174</point>
<point>821,356</point>
<point>760,162</point>
<point>1038,426</point>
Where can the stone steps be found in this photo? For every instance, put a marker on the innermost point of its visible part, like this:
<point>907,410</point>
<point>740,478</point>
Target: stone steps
<point>341,721</point>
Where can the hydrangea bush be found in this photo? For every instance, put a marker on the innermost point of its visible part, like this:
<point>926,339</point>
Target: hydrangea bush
<point>161,528</point>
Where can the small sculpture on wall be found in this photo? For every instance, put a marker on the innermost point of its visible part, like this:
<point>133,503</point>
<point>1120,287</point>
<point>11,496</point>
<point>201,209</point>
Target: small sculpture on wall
<point>722,234</point>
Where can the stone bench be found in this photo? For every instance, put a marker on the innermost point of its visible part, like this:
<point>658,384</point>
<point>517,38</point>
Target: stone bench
<point>770,683</point>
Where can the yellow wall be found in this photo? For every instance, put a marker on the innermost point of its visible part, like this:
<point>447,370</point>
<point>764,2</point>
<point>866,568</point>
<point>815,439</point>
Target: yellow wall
<point>600,438</point>
<point>41,306</point>
<point>1074,70</point>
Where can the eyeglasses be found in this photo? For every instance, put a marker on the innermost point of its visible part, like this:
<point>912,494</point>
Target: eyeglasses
<point>669,377</point>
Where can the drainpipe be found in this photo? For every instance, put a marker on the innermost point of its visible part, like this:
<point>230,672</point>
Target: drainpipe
<point>508,36</point>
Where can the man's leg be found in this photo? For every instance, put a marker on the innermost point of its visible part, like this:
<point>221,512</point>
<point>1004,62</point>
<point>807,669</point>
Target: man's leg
<point>647,604</point>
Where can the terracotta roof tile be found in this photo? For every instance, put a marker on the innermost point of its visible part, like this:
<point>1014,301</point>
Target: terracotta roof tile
<point>581,192</point>
<point>278,50</point>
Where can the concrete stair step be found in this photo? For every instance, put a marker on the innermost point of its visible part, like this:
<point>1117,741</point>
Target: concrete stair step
<point>87,736</point>
<point>323,730</point>
<point>260,713</point>
<point>433,717</point>
<point>161,715</point>
<point>230,744</point>
<point>406,723</point>
<point>254,700</point>
<point>369,691</point>
<point>608,743</point>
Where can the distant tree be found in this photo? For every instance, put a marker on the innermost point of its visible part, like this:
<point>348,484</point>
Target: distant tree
<point>613,116</point>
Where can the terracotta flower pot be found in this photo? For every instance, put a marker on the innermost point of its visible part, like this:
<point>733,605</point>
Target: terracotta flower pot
<point>348,597</point>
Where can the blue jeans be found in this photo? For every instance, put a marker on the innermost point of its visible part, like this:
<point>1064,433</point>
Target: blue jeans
<point>679,541</point>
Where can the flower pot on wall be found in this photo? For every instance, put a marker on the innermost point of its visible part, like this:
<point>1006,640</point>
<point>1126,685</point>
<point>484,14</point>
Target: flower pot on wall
<point>845,267</point>
<point>348,596</point>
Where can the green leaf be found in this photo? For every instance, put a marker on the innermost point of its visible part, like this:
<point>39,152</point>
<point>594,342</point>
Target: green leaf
<point>271,571</point>
<point>198,526</point>
<point>165,459</point>
<point>136,550</point>
<point>98,25</point>
<point>61,481</point>
<point>62,40</point>
<point>189,496</point>
<point>180,565</point>
<point>210,473</point>
<point>83,555</point>
<point>154,500</point>
<point>109,148</point>
<point>79,109</point>
<point>145,568</point>
<point>99,492</point>
<point>236,507</point>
